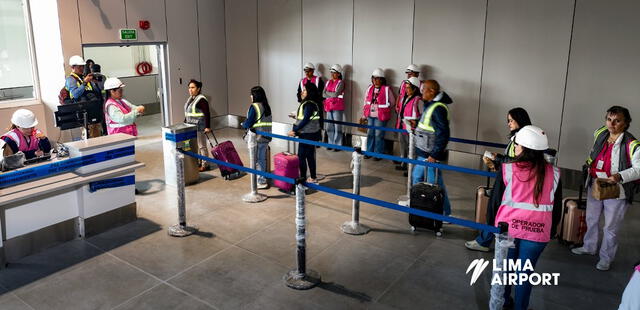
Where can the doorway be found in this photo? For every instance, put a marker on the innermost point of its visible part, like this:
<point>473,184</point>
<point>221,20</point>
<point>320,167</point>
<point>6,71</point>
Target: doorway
<point>141,67</point>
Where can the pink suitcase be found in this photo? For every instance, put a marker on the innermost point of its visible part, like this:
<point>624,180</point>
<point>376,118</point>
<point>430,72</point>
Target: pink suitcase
<point>288,165</point>
<point>225,151</point>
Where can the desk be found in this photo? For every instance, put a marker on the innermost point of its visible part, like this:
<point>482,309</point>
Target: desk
<point>72,203</point>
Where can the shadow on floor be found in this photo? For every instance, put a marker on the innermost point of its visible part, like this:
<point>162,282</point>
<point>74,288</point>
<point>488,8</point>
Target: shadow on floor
<point>66,255</point>
<point>341,290</point>
<point>345,181</point>
<point>150,187</point>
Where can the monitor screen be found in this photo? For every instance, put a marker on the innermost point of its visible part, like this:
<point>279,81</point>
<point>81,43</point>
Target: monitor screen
<point>72,115</point>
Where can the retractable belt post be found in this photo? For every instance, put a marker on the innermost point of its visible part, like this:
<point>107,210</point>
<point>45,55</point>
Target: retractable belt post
<point>503,243</point>
<point>404,199</point>
<point>181,229</point>
<point>354,227</point>
<point>253,196</point>
<point>301,278</point>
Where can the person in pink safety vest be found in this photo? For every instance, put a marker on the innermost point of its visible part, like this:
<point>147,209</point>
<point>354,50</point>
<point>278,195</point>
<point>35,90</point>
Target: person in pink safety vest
<point>378,104</point>
<point>334,105</point>
<point>119,114</point>
<point>24,137</point>
<point>528,196</point>
<point>408,113</point>
<point>309,70</point>
<point>411,71</point>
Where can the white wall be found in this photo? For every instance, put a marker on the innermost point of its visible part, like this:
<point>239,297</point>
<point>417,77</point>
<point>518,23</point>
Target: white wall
<point>242,52</point>
<point>603,72</point>
<point>280,50</point>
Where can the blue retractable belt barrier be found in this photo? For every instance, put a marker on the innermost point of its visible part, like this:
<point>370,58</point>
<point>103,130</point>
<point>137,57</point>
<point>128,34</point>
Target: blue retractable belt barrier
<point>112,183</point>
<point>383,156</point>
<point>372,201</point>
<point>180,136</point>
<point>459,140</point>
<point>28,174</point>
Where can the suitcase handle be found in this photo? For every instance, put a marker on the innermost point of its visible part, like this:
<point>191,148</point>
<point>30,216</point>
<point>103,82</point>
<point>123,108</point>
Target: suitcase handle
<point>214,138</point>
<point>426,179</point>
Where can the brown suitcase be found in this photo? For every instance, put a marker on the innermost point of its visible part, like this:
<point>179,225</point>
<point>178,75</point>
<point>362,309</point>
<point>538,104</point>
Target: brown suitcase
<point>482,201</point>
<point>573,225</point>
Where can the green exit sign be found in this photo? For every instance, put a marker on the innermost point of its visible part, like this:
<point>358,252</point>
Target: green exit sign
<point>128,34</point>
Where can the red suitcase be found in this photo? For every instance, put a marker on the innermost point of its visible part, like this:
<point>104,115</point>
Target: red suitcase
<point>225,151</point>
<point>288,165</point>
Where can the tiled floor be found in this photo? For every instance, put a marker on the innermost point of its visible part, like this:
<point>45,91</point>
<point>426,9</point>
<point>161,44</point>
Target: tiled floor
<point>238,259</point>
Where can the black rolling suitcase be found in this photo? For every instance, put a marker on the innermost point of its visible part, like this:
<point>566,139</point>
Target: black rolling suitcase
<point>428,197</point>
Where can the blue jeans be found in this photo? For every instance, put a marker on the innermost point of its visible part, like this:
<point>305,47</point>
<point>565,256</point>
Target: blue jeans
<point>485,238</point>
<point>418,176</point>
<point>375,138</point>
<point>524,249</point>
<point>334,131</point>
<point>261,161</point>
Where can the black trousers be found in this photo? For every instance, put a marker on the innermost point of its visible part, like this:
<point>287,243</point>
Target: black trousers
<point>307,154</point>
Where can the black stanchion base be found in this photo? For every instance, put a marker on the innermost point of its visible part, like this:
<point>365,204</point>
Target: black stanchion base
<point>181,231</point>
<point>298,281</point>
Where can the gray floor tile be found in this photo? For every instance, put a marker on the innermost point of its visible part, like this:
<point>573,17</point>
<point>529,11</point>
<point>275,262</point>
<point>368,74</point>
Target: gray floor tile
<point>58,259</point>
<point>232,279</point>
<point>164,297</point>
<point>359,267</point>
<point>99,283</point>
<point>9,301</point>
<point>164,256</point>
<point>278,242</point>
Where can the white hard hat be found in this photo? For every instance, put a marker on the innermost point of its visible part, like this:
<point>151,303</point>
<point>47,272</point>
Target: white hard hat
<point>412,68</point>
<point>378,73</point>
<point>24,118</point>
<point>336,68</point>
<point>309,66</point>
<point>414,81</point>
<point>76,61</point>
<point>112,83</point>
<point>532,137</point>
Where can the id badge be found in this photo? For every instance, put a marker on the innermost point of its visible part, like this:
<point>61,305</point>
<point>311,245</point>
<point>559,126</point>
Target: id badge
<point>600,164</point>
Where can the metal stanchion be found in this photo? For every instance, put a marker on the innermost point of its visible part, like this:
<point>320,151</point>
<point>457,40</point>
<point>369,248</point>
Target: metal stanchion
<point>503,243</point>
<point>301,278</point>
<point>253,196</point>
<point>404,199</point>
<point>354,227</point>
<point>181,229</point>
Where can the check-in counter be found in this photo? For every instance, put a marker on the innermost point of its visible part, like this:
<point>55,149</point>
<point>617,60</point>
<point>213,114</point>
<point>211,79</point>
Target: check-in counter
<point>84,194</point>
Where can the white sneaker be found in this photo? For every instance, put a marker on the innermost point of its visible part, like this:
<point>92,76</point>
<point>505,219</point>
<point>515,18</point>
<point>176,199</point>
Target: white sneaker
<point>314,181</point>
<point>263,185</point>
<point>581,251</point>
<point>475,246</point>
<point>602,265</point>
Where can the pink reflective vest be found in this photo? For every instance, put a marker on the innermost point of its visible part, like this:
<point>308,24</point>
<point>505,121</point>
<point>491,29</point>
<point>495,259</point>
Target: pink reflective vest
<point>403,90</point>
<point>526,220</point>
<point>410,111</point>
<point>314,80</point>
<point>21,141</point>
<point>114,127</point>
<point>335,103</point>
<point>383,100</point>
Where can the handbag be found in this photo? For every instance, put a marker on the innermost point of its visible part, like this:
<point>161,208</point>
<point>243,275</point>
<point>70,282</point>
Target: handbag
<point>602,189</point>
<point>362,121</point>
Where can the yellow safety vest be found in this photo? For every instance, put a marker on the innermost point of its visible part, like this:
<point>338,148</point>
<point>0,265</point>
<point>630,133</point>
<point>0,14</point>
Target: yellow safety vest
<point>78,79</point>
<point>425,123</point>
<point>259,122</point>
<point>315,116</point>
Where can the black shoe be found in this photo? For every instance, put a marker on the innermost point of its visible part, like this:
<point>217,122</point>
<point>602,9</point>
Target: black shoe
<point>406,174</point>
<point>329,149</point>
<point>137,192</point>
<point>367,156</point>
<point>377,159</point>
<point>336,150</point>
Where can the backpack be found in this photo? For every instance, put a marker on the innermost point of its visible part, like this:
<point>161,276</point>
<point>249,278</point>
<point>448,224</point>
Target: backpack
<point>64,97</point>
